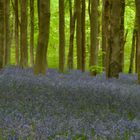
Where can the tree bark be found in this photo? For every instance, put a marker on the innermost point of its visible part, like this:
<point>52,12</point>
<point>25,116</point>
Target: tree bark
<point>32,32</point>
<point>114,40</point>
<point>61,36</point>
<point>105,24</point>
<point>72,31</point>
<point>44,30</point>
<point>16,32</point>
<point>23,36</point>
<point>6,32</point>
<point>83,41</point>
<point>1,32</point>
<point>132,51</point>
<point>138,48</point>
<point>78,34</point>
<point>93,36</point>
<point>122,42</point>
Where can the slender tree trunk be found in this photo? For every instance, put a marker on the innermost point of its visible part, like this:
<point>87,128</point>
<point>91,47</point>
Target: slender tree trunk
<point>44,30</point>
<point>122,41</point>
<point>78,34</point>
<point>72,31</point>
<point>6,32</point>
<point>1,32</point>
<point>94,36</point>
<point>61,36</point>
<point>137,45</point>
<point>105,24</point>
<point>23,37</point>
<point>16,32</point>
<point>132,51</point>
<point>32,32</point>
<point>138,48</point>
<point>113,47</point>
<point>83,47</point>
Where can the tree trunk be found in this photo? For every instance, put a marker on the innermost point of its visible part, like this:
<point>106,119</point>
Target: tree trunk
<point>61,36</point>
<point>122,42</point>
<point>44,30</point>
<point>6,32</point>
<point>105,23</point>
<point>16,32</point>
<point>132,51</point>
<point>1,32</point>
<point>93,37</point>
<point>83,47</point>
<point>78,34</point>
<point>32,32</point>
<point>72,31</point>
<point>114,40</point>
<point>23,37</point>
<point>138,49</point>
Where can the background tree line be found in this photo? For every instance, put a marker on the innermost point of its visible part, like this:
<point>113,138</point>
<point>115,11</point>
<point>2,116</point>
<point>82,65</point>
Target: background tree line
<point>94,35</point>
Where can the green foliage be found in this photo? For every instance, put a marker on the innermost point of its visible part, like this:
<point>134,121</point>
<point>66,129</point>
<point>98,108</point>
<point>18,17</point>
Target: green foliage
<point>54,35</point>
<point>97,69</point>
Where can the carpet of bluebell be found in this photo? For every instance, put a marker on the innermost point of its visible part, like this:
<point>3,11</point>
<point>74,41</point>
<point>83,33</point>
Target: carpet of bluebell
<point>70,106</point>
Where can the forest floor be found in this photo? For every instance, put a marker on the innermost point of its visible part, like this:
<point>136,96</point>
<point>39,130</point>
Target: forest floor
<point>71,106</point>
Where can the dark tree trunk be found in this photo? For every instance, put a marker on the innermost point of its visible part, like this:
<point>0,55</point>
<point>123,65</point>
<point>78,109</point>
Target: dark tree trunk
<point>138,47</point>
<point>6,32</point>
<point>32,32</point>
<point>16,32</point>
<point>44,30</point>
<point>113,41</point>
<point>93,37</point>
<point>78,34</point>
<point>122,40</point>
<point>1,32</point>
<point>61,36</point>
<point>83,47</point>
<point>23,36</point>
<point>72,31</point>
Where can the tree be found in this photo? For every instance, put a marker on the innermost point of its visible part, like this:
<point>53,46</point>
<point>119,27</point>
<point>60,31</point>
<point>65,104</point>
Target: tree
<point>72,31</point>
<point>1,32</point>
<point>61,36</point>
<point>133,47</point>
<point>138,49</point>
<point>132,51</point>
<point>6,32</point>
<point>16,31</point>
<point>23,37</point>
<point>113,39</point>
<point>83,34</point>
<point>78,34</point>
<point>44,30</point>
<point>32,32</point>
<point>122,36</point>
<point>93,36</point>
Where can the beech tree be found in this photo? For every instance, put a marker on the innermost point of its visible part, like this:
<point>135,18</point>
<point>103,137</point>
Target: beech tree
<point>23,35</point>
<point>44,29</point>
<point>83,47</point>
<point>61,36</point>
<point>122,36</point>
<point>1,32</point>
<point>133,48</point>
<point>93,36</point>
<point>32,32</point>
<point>16,31</point>
<point>7,34</point>
<point>138,49</point>
<point>78,34</point>
<point>113,64</point>
<point>72,31</point>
